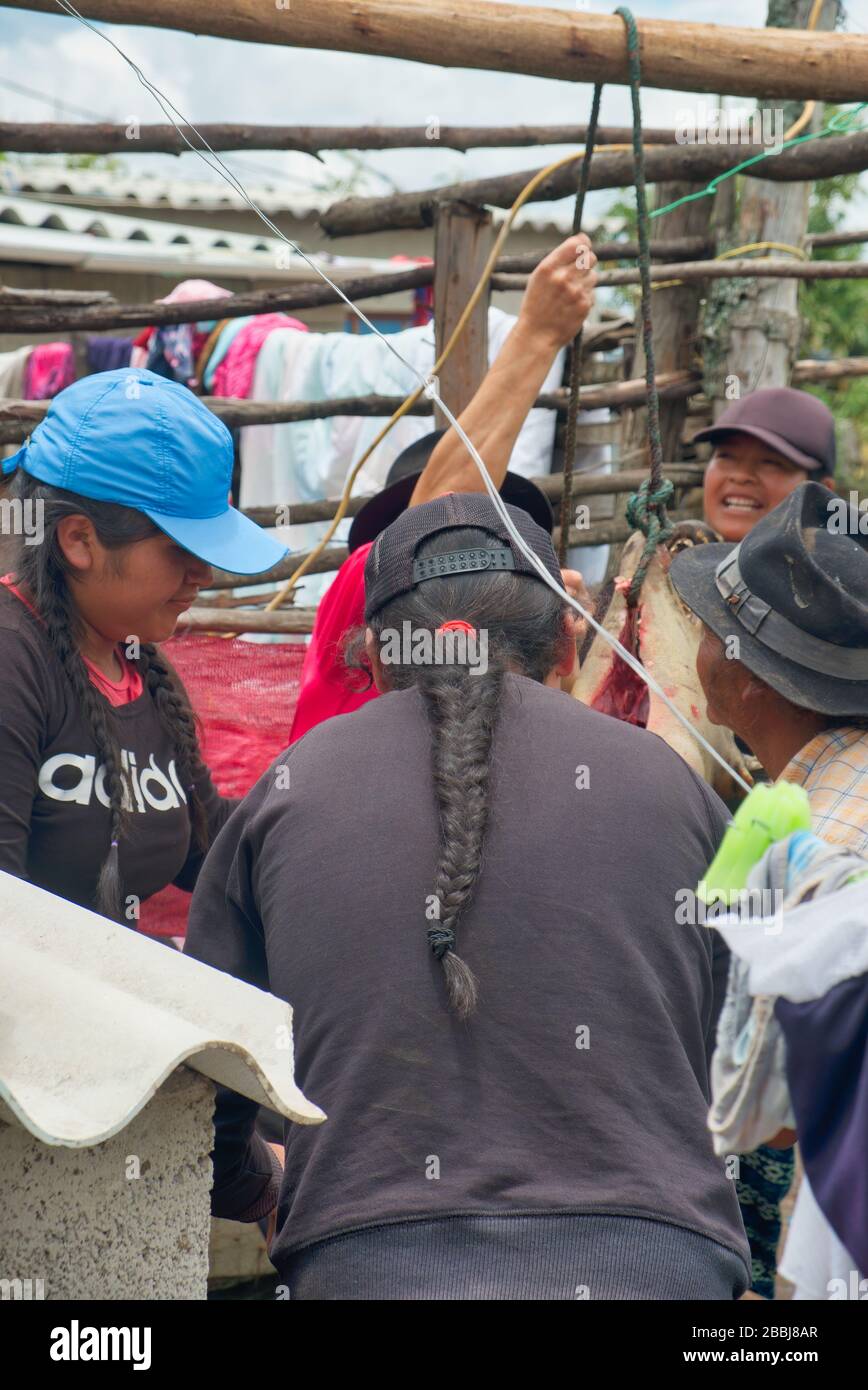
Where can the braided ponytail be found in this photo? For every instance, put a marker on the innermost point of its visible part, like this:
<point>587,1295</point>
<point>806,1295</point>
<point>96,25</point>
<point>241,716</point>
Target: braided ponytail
<point>52,600</point>
<point>179,721</point>
<point>43,570</point>
<point>524,623</point>
<point>462,712</point>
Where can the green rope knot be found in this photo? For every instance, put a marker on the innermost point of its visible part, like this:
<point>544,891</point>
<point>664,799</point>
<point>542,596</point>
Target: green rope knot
<point>646,512</point>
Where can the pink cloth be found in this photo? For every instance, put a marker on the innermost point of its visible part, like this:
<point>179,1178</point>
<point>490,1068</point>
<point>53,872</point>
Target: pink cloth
<point>190,290</point>
<point>234,375</point>
<point>50,367</point>
<point>325,681</point>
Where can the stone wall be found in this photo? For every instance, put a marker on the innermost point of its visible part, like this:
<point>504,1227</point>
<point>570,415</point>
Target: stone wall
<point>129,1218</point>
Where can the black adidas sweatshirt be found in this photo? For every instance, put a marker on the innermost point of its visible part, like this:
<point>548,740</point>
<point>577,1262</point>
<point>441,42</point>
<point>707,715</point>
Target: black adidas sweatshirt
<point>54,813</point>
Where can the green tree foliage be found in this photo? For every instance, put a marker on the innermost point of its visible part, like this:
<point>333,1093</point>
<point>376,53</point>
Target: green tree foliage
<point>834,314</point>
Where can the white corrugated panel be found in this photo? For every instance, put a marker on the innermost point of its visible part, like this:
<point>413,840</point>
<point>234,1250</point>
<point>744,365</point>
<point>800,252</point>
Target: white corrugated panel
<point>94,1017</point>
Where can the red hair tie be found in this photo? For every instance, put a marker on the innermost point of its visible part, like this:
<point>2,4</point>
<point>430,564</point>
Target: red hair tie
<point>457,625</point>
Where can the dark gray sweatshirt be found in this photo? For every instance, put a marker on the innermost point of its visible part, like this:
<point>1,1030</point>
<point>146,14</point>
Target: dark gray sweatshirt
<point>580,1084</point>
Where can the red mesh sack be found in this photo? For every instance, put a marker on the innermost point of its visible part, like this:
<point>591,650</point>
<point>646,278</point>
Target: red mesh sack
<point>244,694</point>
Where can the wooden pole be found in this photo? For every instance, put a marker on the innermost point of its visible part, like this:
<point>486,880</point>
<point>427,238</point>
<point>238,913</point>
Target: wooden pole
<point>286,621</point>
<point>675,320</point>
<point>575,46</point>
<point>41,318</point>
<point>584,485</point>
<point>598,533</point>
<point>462,243</point>
<point>18,418</point>
<point>758,332</point>
<point>818,159</point>
<point>30,137</point>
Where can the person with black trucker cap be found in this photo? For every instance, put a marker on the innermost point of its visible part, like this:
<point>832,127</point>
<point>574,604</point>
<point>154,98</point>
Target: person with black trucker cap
<point>460,889</point>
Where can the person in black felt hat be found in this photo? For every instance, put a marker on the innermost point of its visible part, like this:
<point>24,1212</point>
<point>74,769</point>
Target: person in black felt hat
<point>406,479</point>
<point>557,301</point>
<point>784,663</point>
<point>784,656</point>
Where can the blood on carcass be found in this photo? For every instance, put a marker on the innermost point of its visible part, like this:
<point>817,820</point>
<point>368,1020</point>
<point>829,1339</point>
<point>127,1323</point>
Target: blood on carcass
<point>623,694</point>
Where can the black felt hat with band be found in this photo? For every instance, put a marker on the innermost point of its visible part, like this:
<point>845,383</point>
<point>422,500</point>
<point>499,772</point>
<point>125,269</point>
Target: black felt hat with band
<point>402,478</point>
<point>795,594</point>
<point>392,568</point>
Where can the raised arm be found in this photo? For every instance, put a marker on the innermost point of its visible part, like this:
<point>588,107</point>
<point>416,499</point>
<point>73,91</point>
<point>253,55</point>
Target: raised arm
<point>558,299</point>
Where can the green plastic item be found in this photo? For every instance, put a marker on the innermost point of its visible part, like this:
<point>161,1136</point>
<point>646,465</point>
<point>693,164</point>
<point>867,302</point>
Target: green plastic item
<point>768,813</point>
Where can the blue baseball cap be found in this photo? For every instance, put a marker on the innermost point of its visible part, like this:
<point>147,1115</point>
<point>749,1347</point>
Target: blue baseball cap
<point>140,440</point>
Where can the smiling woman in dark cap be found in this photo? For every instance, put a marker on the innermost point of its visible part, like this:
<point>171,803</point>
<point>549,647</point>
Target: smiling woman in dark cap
<point>765,445</point>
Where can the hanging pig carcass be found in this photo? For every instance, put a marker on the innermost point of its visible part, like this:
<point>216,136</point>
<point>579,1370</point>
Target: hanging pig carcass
<point>665,637</point>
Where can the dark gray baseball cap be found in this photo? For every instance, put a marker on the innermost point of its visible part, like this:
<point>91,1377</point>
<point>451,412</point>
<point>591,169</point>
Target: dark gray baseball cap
<point>791,422</point>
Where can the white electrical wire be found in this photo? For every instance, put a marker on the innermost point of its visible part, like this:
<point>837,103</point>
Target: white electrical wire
<point>429,387</point>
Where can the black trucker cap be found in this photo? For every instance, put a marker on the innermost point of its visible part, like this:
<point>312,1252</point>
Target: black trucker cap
<point>392,568</point>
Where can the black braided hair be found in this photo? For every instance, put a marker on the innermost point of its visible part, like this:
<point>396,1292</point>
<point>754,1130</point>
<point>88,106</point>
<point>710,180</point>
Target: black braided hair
<point>179,721</point>
<point>43,570</point>
<point>524,623</point>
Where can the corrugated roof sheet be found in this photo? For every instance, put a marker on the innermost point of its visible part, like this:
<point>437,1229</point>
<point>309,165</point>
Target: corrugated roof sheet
<point>94,1017</point>
<point>152,190</point>
<point>48,234</point>
<point>156,191</point>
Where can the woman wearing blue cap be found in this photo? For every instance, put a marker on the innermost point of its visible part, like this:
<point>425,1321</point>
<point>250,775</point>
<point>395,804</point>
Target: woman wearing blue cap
<point>124,487</point>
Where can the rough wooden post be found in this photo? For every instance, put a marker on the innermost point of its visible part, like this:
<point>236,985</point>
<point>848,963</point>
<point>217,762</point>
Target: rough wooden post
<point>753,326</point>
<point>462,242</point>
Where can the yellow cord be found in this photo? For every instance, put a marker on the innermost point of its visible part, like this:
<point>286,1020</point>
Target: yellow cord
<point>739,250</point>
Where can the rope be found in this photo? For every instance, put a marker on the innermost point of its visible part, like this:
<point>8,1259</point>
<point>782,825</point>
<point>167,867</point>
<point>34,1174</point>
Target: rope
<point>575,377</point>
<point>646,509</point>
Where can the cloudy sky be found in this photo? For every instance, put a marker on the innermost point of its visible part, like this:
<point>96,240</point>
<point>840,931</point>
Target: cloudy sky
<point>80,77</point>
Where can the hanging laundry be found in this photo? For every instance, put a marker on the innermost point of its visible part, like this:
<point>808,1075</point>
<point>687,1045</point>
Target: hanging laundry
<point>171,352</point>
<point>141,347</point>
<point>232,373</point>
<point>228,332</point>
<point>107,354</point>
<point>423,295</point>
<point>50,368</point>
<point>286,464</point>
<point>172,349</point>
<point>13,365</point>
<point>188,291</point>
